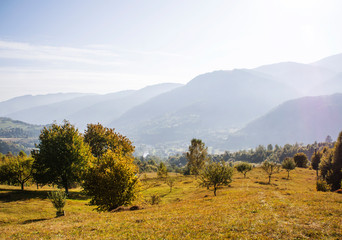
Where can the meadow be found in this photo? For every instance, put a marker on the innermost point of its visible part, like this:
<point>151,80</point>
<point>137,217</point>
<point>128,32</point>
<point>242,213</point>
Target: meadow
<point>247,209</point>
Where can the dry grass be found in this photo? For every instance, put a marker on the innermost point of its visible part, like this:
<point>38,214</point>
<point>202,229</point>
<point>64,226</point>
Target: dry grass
<point>248,209</point>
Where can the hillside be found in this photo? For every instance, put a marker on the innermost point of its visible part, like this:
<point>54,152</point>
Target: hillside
<point>333,63</point>
<point>17,129</point>
<point>210,103</point>
<point>303,120</point>
<point>90,108</point>
<point>247,209</point>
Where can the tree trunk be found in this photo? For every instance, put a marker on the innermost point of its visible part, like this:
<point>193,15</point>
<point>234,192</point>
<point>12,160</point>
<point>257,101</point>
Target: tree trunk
<point>244,175</point>
<point>22,186</point>
<point>288,174</point>
<point>269,179</point>
<point>215,191</point>
<point>66,187</point>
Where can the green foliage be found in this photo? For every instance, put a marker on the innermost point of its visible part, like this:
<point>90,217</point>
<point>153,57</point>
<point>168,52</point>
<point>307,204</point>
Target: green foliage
<point>162,170</point>
<point>244,168</point>
<point>336,177</point>
<point>197,156</point>
<point>155,199</point>
<point>16,169</point>
<point>316,159</point>
<point>170,182</point>
<point>270,168</point>
<point>100,139</point>
<point>111,181</point>
<point>62,156</point>
<point>322,186</point>
<point>288,164</point>
<point>325,166</point>
<point>216,174</point>
<point>301,160</point>
<point>58,199</point>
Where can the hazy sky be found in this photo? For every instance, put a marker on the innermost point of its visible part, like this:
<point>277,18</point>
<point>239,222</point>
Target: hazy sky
<point>100,46</point>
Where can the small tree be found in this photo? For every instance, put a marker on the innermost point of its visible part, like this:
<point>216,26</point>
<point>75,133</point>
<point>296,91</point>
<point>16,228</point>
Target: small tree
<point>58,200</point>
<point>337,165</point>
<point>111,181</point>
<point>216,174</point>
<point>16,170</point>
<point>288,164</point>
<point>170,182</point>
<point>197,156</point>
<point>162,170</point>
<point>244,168</point>
<point>315,160</point>
<point>270,168</point>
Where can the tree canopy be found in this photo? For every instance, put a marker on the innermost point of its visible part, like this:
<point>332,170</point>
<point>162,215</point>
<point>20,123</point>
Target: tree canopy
<point>197,156</point>
<point>61,155</point>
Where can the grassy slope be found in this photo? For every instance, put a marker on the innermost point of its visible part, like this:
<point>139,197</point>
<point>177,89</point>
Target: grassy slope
<point>248,209</point>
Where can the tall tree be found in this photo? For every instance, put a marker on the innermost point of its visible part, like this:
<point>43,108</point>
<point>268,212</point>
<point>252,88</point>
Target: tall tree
<point>197,156</point>
<point>337,164</point>
<point>100,139</point>
<point>62,155</point>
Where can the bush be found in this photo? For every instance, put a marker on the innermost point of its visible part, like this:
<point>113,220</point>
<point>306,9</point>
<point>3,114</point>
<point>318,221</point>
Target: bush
<point>301,160</point>
<point>270,168</point>
<point>288,164</point>
<point>322,186</point>
<point>155,199</point>
<point>58,199</point>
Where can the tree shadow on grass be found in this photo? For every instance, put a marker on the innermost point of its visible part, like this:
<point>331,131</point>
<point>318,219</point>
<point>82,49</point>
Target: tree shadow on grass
<point>34,220</point>
<point>12,195</point>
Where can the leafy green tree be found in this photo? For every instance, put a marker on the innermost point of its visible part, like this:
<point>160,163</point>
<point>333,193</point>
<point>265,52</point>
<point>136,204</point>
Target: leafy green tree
<point>337,165</point>
<point>270,168</point>
<point>288,164</point>
<point>216,174</point>
<point>325,166</point>
<point>301,160</point>
<point>316,159</point>
<point>162,170</point>
<point>62,156</point>
<point>100,139</point>
<point>17,170</point>
<point>197,156</point>
<point>111,181</point>
<point>244,168</point>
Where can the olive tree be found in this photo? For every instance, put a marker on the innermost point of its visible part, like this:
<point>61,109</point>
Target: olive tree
<point>216,174</point>
<point>288,164</point>
<point>270,168</point>
<point>244,168</point>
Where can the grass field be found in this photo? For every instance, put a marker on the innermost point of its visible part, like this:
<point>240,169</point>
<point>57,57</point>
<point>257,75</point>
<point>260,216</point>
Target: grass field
<point>247,209</point>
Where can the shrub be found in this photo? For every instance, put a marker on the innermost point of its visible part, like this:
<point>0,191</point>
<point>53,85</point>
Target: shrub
<point>270,168</point>
<point>322,186</point>
<point>301,160</point>
<point>58,199</point>
<point>155,199</point>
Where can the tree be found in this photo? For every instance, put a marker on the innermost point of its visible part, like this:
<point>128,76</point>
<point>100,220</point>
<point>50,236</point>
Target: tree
<point>216,174</point>
<point>337,165</point>
<point>62,156</point>
<point>111,181</point>
<point>270,168</point>
<point>328,139</point>
<point>315,160</point>
<point>17,170</point>
<point>325,166</point>
<point>244,168</point>
<point>100,139</point>
<point>288,164</point>
<point>197,156</point>
<point>162,170</point>
<point>301,160</point>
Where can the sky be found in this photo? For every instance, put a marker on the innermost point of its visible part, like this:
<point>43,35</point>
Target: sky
<point>103,46</point>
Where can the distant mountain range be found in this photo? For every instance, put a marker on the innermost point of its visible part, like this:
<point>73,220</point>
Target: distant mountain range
<point>227,109</point>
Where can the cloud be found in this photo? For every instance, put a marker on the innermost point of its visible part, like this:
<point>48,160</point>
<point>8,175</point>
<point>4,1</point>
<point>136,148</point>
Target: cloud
<point>26,51</point>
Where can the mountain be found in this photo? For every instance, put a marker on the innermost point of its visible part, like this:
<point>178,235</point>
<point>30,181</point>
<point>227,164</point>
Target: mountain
<point>210,103</point>
<point>333,63</point>
<point>333,85</point>
<point>17,129</point>
<point>29,101</point>
<point>90,108</point>
<point>302,77</point>
<point>303,120</point>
